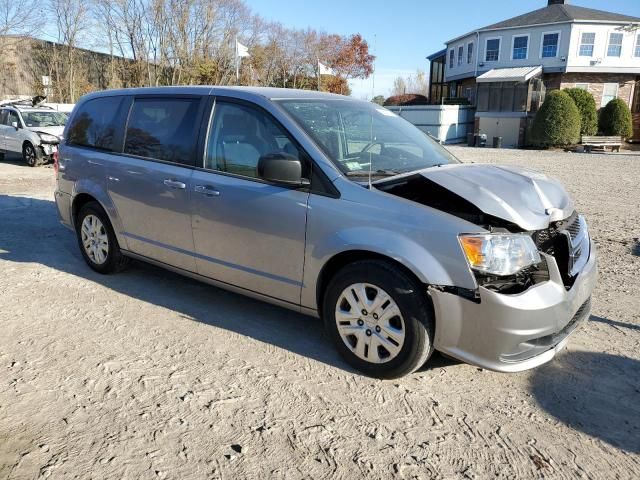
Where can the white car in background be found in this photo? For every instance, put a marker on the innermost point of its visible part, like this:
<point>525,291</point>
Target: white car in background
<point>32,131</point>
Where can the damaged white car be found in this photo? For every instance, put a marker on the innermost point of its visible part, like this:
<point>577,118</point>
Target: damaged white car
<point>32,130</point>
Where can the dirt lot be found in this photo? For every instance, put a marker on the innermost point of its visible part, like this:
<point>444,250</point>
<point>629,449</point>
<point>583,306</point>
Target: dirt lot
<point>147,375</point>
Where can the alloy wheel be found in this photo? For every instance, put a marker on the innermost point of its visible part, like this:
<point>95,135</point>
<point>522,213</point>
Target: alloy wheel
<point>30,155</point>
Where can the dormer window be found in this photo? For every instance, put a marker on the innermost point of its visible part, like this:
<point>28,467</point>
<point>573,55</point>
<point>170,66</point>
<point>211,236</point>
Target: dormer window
<point>615,45</point>
<point>636,52</point>
<point>470,52</point>
<point>452,56</point>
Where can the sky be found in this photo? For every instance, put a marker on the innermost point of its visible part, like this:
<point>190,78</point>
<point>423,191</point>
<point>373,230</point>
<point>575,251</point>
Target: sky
<point>401,33</point>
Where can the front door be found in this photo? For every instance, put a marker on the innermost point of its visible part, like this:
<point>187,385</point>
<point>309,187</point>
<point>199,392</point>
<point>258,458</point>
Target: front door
<point>247,232</point>
<point>150,184</point>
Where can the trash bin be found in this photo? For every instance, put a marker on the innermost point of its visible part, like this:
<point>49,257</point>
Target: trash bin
<point>471,140</point>
<point>481,140</point>
<point>497,142</point>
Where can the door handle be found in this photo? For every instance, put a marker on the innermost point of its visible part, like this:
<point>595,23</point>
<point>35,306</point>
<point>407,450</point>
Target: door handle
<point>207,190</point>
<point>175,184</point>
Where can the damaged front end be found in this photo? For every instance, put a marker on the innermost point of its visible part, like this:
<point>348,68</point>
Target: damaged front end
<point>521,312</point>
<point>564,241</point>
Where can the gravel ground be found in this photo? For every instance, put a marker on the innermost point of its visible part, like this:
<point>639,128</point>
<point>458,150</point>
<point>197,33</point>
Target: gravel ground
<point>147,375</point>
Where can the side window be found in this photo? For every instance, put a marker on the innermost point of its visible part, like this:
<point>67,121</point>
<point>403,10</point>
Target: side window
<point>163,129</point>
<point>4,117</point>
<point>240,135</point>
<point>95,125</point>
<point>13,117</point>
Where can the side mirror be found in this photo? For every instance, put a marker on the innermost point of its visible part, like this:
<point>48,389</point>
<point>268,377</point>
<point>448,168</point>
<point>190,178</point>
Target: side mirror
<point>281,168</point>
<point>15,125</point>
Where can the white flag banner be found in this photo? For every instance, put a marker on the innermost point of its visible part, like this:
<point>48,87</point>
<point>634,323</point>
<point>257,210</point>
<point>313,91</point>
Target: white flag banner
<point>324,70</point>
<point>241,50</point>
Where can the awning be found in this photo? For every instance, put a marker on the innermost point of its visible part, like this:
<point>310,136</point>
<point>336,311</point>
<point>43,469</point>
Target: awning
<point>516,74</point>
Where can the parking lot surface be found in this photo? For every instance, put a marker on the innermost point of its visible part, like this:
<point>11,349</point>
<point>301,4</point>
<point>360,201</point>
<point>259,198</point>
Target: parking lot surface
<point>149,375</point>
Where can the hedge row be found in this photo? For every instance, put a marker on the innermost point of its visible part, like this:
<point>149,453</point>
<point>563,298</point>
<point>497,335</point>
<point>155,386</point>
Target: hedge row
<point>567,114</point>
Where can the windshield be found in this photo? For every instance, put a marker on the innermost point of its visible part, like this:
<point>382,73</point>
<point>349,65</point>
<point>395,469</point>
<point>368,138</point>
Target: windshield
<point>359,137</point>
<point>44,119</point>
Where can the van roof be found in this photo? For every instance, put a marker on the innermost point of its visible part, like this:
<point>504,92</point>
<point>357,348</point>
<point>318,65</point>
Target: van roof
<point>265,92</point>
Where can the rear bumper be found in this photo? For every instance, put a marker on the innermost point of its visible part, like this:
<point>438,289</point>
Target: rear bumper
<point>511,333</point>
<point>63,202</point>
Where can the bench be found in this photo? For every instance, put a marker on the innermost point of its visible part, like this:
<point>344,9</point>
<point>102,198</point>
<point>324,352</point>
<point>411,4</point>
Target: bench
<point>589,142</point>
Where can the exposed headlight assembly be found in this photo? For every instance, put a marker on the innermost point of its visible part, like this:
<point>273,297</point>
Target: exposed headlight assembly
<point>500,253</point>
<point>46,138</point>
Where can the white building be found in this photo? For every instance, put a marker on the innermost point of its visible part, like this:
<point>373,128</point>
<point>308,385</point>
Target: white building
<point>566,45</point>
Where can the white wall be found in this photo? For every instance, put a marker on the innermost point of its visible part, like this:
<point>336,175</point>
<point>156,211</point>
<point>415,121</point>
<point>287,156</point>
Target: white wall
<point>447,123</point>
<point>602,63</point>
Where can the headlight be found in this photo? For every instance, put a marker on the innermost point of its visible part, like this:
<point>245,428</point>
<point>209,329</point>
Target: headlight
<point>45,137</point>
<point>501,253</point>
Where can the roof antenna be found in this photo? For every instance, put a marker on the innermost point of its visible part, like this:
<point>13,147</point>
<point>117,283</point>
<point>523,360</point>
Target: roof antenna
<point>370,153</point>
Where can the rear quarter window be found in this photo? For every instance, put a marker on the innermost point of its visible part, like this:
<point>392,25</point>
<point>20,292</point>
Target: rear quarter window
<point>95,123</point>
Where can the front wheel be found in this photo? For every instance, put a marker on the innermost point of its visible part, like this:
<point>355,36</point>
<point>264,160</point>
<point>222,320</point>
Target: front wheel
<point>379,318</point>
<point>30,155</point>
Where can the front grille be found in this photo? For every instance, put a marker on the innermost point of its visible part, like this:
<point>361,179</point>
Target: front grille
<point>567,241</point>
<point>575,226</point>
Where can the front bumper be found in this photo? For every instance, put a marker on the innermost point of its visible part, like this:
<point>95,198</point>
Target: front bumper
<point>511,333</point>
<point>49,148</point>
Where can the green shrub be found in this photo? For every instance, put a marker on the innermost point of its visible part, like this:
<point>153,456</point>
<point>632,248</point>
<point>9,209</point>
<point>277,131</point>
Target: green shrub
<point>587,107</point>
<point>557,121</point>
<point>615,119</point>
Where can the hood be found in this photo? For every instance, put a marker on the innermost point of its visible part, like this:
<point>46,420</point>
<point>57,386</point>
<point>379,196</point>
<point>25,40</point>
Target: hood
<point>529,199</point>
<point>57,131</point>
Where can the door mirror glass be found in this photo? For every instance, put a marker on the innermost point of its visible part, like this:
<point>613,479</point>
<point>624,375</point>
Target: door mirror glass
<point>282,168</point>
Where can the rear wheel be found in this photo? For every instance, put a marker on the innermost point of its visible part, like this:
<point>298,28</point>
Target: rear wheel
<point>97,240</point>
<point>30,155</point>
<point>379,318</point>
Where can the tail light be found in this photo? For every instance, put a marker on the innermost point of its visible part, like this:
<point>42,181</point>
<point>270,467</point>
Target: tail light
<point>55,162</point>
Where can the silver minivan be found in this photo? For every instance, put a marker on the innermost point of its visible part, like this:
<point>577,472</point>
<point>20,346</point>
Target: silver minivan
<point>335,208</point>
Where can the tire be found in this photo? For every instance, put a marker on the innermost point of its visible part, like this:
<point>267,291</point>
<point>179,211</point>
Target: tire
<point>388,355</point>
<point>101,257</point>
<point>30,155</point>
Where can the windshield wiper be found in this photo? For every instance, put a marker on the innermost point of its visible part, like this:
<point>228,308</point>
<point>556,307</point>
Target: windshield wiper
<point>376,173</point>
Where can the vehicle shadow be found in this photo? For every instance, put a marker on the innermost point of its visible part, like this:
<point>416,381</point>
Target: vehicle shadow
<point>595,393</point>
<point>31,233</point>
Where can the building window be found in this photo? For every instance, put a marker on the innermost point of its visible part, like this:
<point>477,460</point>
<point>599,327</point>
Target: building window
<point>636,52</point>
<point>550,45</point>
<point>582,86</point>
<point>587,42</point>
<point>452,56</point>
<point>520,48</point>
<point>615,45</point>
<point>460,54</point>
<point>470,52</point>
<point>492,50</point>
<point>609,93</point>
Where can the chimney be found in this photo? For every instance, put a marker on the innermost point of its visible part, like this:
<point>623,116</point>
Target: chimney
<point>557,2</point>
